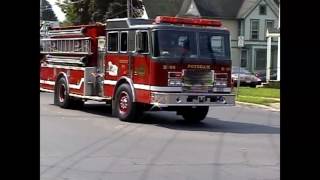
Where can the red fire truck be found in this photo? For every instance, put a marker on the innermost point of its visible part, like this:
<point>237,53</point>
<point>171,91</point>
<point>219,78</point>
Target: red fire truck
<point>136,65</point>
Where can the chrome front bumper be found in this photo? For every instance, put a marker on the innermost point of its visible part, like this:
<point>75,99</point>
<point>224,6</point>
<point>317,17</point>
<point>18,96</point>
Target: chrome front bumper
<point>192,99</point>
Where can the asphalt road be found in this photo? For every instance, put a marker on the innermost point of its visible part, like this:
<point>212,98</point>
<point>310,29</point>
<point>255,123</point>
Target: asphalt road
<point>232,143</point>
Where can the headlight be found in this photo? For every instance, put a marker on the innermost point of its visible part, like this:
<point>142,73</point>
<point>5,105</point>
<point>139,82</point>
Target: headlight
<point>174,82</point>
<point>220,83</point>
<point>221,79</point>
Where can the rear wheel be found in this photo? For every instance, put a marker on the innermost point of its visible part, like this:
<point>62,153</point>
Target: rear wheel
<point>61,96</point>
<point>194,114</point>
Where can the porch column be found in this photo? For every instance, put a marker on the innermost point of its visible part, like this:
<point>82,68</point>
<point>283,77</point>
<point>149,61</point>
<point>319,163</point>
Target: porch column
<point>268,58</point>
<point>278,60</point>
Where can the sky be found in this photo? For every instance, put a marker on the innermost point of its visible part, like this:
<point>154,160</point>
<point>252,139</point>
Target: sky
<point>60,15</point>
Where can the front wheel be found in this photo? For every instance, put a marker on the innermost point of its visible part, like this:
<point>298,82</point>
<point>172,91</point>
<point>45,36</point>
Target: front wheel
<point>194,114</point>
<point>125,108</point>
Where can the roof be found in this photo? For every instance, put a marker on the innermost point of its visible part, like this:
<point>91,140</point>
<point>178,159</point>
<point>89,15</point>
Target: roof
<point>213,8</point>
<point>124,23</point>
<point>246,7</point>
<point>229,9</point>
<point>162,7</point>
<point>127,22</point>
<point>249,5</point>
<point>189,8</point>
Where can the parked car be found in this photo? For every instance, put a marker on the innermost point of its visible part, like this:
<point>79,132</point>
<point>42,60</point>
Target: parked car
<point>262,75</point>
<point>246,77</point>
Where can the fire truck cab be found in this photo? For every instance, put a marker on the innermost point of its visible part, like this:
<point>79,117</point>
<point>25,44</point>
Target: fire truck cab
<point>136,65</point>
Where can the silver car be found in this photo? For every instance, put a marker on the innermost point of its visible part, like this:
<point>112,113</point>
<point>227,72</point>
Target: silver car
<point>246,77</point>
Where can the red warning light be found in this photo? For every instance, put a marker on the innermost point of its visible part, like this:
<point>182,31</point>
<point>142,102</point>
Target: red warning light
<point>191,21</point>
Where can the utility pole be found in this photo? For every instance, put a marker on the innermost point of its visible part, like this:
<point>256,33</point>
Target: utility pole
<point>41,10</point>
<point>129,2</point>
<point>278,62</point>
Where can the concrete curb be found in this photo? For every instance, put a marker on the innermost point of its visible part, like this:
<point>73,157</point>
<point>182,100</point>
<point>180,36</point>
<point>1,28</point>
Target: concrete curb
<point>258,105</point>
<point>276,99</point>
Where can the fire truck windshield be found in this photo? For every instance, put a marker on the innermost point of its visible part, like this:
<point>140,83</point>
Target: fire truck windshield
<point>211,45</point>
<point>177,44</point>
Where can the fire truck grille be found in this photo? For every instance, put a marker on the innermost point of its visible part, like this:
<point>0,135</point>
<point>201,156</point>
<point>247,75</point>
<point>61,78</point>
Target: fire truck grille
<point>197,81</point>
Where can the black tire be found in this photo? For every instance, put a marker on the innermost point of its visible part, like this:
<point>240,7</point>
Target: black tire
<point>194,114</point>
<point>123,106</point>
<point>61,96</point>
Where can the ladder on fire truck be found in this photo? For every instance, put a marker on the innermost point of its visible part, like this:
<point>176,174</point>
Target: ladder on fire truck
<point>66,32</point>
<point>61,42</point>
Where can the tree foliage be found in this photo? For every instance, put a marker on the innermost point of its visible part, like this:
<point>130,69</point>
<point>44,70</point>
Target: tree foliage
<point>47,12</point>
<point>91,11</point>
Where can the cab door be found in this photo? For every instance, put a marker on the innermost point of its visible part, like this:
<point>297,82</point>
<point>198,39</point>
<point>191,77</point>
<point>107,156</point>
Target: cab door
<point>141,60</point>
<point>141,66</point>
<point>123,55</point>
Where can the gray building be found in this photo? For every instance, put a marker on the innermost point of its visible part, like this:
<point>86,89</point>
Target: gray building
<point>246,19</point>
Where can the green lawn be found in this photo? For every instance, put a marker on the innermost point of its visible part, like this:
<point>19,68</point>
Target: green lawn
<point>258,95</point>
<point>259,92</point>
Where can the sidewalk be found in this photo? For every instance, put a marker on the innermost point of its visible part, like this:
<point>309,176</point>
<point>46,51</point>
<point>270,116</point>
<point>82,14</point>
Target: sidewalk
<point>272,107</point>
<point>276,99</point>
<point>275,105</point>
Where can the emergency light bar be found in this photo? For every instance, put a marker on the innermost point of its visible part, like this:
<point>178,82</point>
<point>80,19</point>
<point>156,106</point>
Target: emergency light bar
<point>178,20</point>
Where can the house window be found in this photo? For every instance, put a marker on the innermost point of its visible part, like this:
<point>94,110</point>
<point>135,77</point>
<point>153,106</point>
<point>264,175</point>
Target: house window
<point>124,42</point>
<point>254,29</point>
<point>113,42</point>
<point>269,25</point>
<point>262,9</point>
<point>244,57</point>
<point>261,59</point>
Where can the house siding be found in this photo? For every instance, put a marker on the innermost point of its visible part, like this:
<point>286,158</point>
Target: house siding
<point>233,26</point>
<point>261,42</point>
<point>262,21</point>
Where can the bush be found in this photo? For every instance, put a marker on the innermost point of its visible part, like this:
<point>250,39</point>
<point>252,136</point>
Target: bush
<point>273,84</point>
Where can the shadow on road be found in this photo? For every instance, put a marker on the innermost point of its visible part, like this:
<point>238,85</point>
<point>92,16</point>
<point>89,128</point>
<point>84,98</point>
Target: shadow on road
<point>172,121</point>
<point>99,109</point>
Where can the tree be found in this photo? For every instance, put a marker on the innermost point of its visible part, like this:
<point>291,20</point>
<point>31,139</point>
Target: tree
<point>118,9</point>
<point>90,11</point>
<point>77,12</point>
<point>47,12</point>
